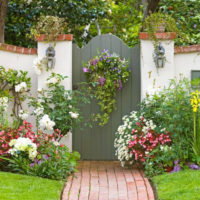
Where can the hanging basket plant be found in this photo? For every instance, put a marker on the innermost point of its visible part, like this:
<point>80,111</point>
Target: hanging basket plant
<point>106,74</point>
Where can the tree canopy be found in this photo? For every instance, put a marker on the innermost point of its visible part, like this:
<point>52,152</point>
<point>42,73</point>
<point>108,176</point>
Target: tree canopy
<point>87,18</point>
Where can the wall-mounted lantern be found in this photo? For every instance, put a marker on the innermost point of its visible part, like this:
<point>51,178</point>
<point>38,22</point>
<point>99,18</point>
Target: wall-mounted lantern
<point>50,56</point>
<point>159,56</point>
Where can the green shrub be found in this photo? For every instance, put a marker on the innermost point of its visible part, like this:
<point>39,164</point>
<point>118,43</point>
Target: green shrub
<point>170,108</point>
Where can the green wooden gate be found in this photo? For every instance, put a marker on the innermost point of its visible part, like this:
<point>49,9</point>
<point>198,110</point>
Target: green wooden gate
<point>97,143</point>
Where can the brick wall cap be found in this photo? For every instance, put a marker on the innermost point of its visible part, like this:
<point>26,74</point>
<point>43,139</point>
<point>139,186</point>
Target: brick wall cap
<point>17,49</point>
<point>61,37</point>
<point>187,49</point>
<point>160,36</point>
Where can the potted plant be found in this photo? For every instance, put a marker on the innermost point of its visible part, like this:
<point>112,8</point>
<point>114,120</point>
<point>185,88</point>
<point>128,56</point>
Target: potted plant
<point>159,23</point>
<point>48,26</point>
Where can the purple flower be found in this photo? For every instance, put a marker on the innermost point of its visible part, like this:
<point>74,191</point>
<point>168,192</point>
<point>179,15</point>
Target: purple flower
<point>195,26</point>
<point>102,80</point>
<point>177,168</point>
<point>94,62</point>
<point>119,71</point>
<point>32,164</point>
<point>45,157</point>
<point>193,166</point>
<point>120,85</point>
<point>114,68</point>
<point>176,162</point>
<point>40,162</point>
<point>104,57</point>
<point>105,51</point>
<point>86,70</point>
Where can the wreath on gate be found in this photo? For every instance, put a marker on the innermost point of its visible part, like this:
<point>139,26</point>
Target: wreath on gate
<point>106,74</point>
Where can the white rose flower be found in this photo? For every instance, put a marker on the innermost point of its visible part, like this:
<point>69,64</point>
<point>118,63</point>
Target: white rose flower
<point>46,123</point>
<point>38,65</point>
<point>39,111</point>
<point>23,114</point>
<point>22,87</point>
<point>52,81</point>
<point>4,103</point>
<point>56,143</point>
<point>74,115</point>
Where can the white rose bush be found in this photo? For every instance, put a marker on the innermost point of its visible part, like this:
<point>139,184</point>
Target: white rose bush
<point>56,107</point>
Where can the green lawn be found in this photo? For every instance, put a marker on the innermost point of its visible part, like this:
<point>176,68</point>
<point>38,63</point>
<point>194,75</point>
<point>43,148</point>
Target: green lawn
<point>20,187</point>
<point>184,185</point>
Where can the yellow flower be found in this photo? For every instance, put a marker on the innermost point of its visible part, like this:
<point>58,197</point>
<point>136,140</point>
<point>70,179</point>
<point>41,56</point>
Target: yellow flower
<point>195,100</point>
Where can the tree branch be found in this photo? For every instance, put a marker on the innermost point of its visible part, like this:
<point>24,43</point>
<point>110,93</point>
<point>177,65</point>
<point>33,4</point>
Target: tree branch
<point>3,11</point>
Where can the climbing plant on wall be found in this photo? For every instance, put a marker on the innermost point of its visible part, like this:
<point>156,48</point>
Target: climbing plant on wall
<point>13,86</point>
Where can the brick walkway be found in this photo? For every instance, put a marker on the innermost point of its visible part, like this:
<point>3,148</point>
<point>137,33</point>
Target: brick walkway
<point>97,180</point>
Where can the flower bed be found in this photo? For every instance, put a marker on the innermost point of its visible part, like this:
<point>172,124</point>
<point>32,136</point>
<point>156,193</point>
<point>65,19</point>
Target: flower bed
<point>37,150</point>
<point>159,135</point>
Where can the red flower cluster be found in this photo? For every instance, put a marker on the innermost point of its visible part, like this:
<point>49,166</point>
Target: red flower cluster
<point>26,131</point>
<point>5,137</point>
<point>141,144</point>
<point>41,137</point>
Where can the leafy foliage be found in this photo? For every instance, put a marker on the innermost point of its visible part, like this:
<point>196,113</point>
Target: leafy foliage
<point>186,15</point>
<point>21,17</point>
<point>124,20</point>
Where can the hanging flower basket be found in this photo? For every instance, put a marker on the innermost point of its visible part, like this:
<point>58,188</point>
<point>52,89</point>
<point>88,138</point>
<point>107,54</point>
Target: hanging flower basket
<point>106,74</point>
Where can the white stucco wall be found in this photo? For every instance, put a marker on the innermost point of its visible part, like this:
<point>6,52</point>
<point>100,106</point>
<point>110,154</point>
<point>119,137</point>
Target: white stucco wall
<point>176,64</point>
<point>151,77</point>
<point>186,62</point>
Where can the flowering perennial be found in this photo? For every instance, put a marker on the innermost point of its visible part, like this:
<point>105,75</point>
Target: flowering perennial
<point>23,114</point>
<point>53,80</point>
<point>38,65</point>
<point>3,103</point>
<point>46,123</point>
<point>74,115</point>
<point>22,87</point>
<point>23,145</point>
<point>137,137</point>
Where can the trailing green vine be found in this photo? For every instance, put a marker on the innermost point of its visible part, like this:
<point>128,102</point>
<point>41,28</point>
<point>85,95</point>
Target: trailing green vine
<point>106,74</point>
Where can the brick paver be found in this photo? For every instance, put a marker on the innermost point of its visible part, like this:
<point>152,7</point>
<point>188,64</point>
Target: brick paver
<point>101,180</point>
